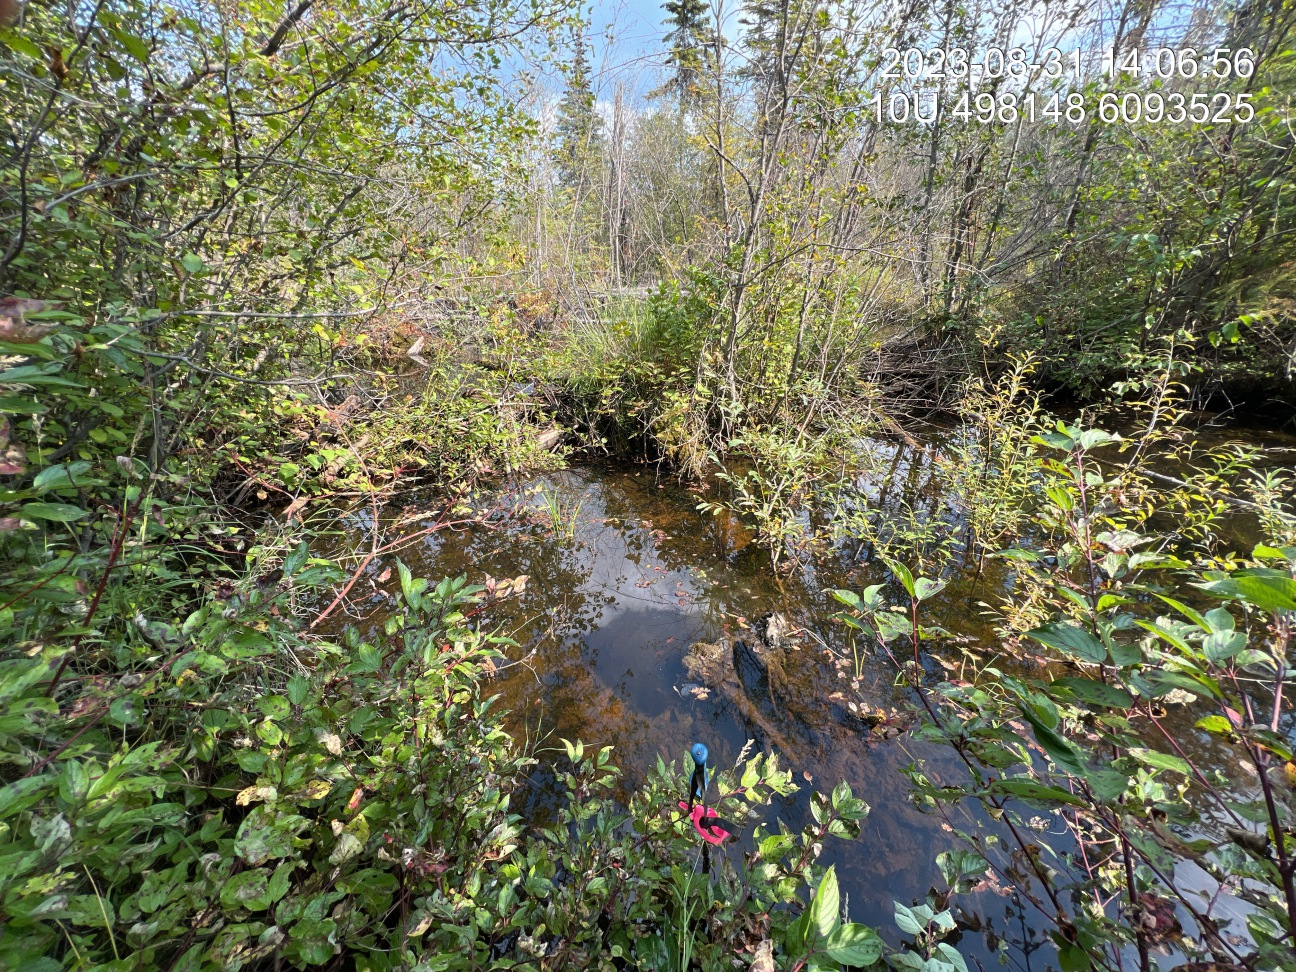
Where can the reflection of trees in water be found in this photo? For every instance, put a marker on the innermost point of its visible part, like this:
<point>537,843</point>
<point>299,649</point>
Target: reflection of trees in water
<point>574,608</point>
<point>582,600</point>
<point>604,655</point>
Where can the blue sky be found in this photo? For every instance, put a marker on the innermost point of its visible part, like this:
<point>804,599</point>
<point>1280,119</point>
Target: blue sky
<point>635,51</point>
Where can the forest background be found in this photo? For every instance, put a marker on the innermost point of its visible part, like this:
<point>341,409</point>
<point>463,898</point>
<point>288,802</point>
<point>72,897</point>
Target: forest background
<point>263,262</point>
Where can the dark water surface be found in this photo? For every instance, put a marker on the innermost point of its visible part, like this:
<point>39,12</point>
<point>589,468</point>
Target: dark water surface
<point>634,574</point>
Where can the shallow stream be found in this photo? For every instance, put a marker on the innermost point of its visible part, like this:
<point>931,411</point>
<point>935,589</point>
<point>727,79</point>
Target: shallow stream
<point>633,573</point>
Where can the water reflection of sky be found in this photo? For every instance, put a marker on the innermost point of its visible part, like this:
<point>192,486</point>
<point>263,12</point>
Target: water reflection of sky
<point>605,621</point>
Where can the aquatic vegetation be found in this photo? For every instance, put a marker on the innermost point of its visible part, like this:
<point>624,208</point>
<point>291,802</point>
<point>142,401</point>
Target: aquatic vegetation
<point>777,484</point>
<point>561,519</point>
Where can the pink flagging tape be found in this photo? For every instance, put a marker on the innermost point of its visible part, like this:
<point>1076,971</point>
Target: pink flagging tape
<point>708,829</point>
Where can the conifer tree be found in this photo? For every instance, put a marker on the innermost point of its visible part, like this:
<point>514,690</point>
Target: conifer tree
<point>579,130</point>
<point>764,24</point>
<point>690,42</point>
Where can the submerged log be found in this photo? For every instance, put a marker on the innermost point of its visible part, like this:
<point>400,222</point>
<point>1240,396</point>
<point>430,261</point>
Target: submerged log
<point>787,707</point>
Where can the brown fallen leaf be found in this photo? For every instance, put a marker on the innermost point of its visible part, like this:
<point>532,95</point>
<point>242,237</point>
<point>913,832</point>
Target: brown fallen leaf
<point>1160,924</point>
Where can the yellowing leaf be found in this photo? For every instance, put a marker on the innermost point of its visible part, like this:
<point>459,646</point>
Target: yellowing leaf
<point>256,794</point>
<point>348,846</point>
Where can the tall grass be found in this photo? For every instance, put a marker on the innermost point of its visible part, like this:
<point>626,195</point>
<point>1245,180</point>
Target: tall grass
<point>620,337</point>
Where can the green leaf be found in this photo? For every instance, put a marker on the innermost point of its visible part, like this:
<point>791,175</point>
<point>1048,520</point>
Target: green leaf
<point>951,955</point>
<point>192,262</point>
<point>20,794</point>
<point>1220,646</point>
<point>62,476</point>
<point>1073,958</point>
<point>273,706</point>
<point>247,889</point>
<point>45,374</point>
<point>1125,655</point>
<point>1220,620</point>
<point>1163,683</point>
<point>368,659</point>
<point>911,921</point>
<point>75,782</point>
<point>925,587</point>
<point>892,625</point>
<point>411,587</point>
<point>1256,811</point>
<point>1159,760</point>
<point>1075,597</point>
<point>1107,784</point>
<point>17,405</point>
<point>56,512</point>
<point>265,835</point>
<point>1214,723</point>
<point>1037,792</point>
<point>1270,591</point>
<point>903,575</point>
<point>825,909</point>
<point>957,865</point>
<point>1071,640</point>
<point>134,45</point>
<point>849,598</point>
<point>347,847</point>
<point>313,938</point>
<point>1268,739</point>
<point>1166,632</point>
<point>298,688</point>
<point>1094,438</point>
<point>855,944</point>
<point>292,563</point>
<point>872,596</point>
<point>1017,553</point>
<point>1150,848</point>
<point>1056,440</point>
<point>280,881</point>
<point>21,45</point>
<point>1093,692</point>
<point>1059,749</point>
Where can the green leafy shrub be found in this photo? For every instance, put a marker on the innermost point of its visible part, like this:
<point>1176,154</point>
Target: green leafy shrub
<point>230,790</point>
<point>1129,629</point>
